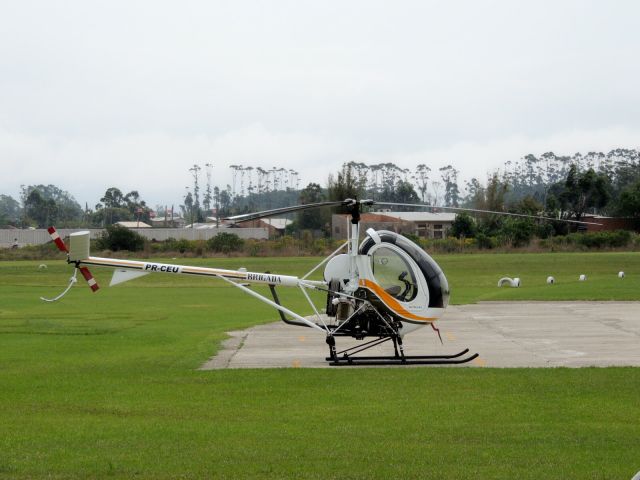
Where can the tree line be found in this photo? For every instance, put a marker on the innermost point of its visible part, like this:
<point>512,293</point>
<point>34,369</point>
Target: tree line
<point>44,205</point>
<point>563,187</point>
<point>608,182</point>
<point>550,184</point>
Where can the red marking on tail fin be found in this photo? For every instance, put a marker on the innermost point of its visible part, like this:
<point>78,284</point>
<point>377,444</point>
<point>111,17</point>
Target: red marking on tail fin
<point>89,278</point>
<point>58,241</point>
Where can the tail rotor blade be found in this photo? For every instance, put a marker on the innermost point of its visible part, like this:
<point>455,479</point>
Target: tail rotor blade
<point>57,240</point>
<point>89,278</point>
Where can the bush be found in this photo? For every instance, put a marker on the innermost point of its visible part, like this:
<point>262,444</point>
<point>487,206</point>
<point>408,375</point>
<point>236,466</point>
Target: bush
<point>116,237</point>
<point>285,244</point>
<point>254,248</point>
<point>183,245</point>
<point>319,246</point>
<point>463,226</point>
<point>517,232</point>
<point>225,242</point>
<point>446,245</point>
<point>544,230</point>
<point>485,241</point>
<point>594,240</point>
<point>620,238</point>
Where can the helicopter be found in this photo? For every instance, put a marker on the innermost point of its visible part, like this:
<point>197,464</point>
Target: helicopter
<point>377,290</point>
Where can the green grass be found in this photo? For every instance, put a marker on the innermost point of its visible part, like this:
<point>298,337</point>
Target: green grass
<point>104,386</point>
<point>474,278</point>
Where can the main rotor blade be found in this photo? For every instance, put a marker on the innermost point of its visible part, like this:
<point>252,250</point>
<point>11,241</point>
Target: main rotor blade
<point>476,210</point>
<point>278,211</point>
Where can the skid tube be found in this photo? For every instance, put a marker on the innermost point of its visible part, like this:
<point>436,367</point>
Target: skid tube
<point>349,356</point>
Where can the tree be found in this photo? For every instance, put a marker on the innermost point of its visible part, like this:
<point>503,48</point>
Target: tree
<point>390,176</point>
<point>225,243</point>
<point>344,185</point>
<point>45,205</point>
<point>113,198</point>
<point>529,206</point>
<point>583,191</point>
<point>475,192</point>
<point>9,210</point>
<point>206,201</point>
<point>116,237</point>
<point>37,209</point>
<point>196,211</point>
<point>530,172</point>
<point>518,231</point>
<point>115,207</point>
<point>188,208</point>
<point>495,192</point>
<point>421,177</point>
<point>449,177</point>
<point>463,226</point>
<point>312,219</point>
<point>492,198</point>
<point>225,202</point>
<point>404,193</point>
<point>137,207</point>
<point>629,203</point>
<point>360,172</point>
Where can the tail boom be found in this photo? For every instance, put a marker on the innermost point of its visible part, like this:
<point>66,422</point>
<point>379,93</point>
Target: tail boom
<point>234,275</point>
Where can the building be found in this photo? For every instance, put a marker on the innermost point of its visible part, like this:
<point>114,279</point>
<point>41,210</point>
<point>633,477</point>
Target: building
<point>168,222</point>
<point>422,224</point>
<point>276,226</point>
<point>610,223</point>
<point>134,224</point>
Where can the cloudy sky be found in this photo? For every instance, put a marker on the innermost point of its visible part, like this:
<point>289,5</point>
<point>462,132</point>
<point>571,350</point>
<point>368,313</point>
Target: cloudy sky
<point>131,94</point>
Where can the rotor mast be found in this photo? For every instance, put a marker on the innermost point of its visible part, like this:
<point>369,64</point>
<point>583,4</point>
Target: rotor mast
<point>354,237</point>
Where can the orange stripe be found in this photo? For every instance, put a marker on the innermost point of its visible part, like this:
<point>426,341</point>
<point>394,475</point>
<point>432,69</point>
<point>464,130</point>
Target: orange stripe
<point>111,261</point>
<point>392,303</point>
<point>212,271</point>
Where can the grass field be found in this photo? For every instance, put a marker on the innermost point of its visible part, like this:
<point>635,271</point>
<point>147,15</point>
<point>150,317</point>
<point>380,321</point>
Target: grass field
<point>104,386</point>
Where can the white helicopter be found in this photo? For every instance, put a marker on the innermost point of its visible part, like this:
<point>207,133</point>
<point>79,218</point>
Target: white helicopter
<point>383,287</point>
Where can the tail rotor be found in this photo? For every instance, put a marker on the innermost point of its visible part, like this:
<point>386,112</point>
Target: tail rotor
<point>91,281</point>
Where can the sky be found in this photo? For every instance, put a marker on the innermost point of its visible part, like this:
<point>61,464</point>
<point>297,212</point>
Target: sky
<point>132,94</point>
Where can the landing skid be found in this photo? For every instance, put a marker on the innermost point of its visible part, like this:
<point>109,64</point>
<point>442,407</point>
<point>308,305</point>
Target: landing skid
<point>349,356</point>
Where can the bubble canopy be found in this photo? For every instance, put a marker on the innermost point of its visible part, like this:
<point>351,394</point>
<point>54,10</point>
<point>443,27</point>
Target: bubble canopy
<point>385,266</point>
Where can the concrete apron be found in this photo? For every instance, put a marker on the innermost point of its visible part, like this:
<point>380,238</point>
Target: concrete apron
<point>505,334</point>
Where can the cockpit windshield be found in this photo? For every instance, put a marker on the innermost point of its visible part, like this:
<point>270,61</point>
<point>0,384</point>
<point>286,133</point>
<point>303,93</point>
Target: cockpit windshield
<point>394,274</point>
<point>389,275</point>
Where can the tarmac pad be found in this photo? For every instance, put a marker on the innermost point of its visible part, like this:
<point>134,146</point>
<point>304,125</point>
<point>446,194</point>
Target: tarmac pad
<point>505,334</point>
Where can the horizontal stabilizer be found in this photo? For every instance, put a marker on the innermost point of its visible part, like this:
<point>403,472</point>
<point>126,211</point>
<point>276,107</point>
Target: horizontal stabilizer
<point>121,276</point>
